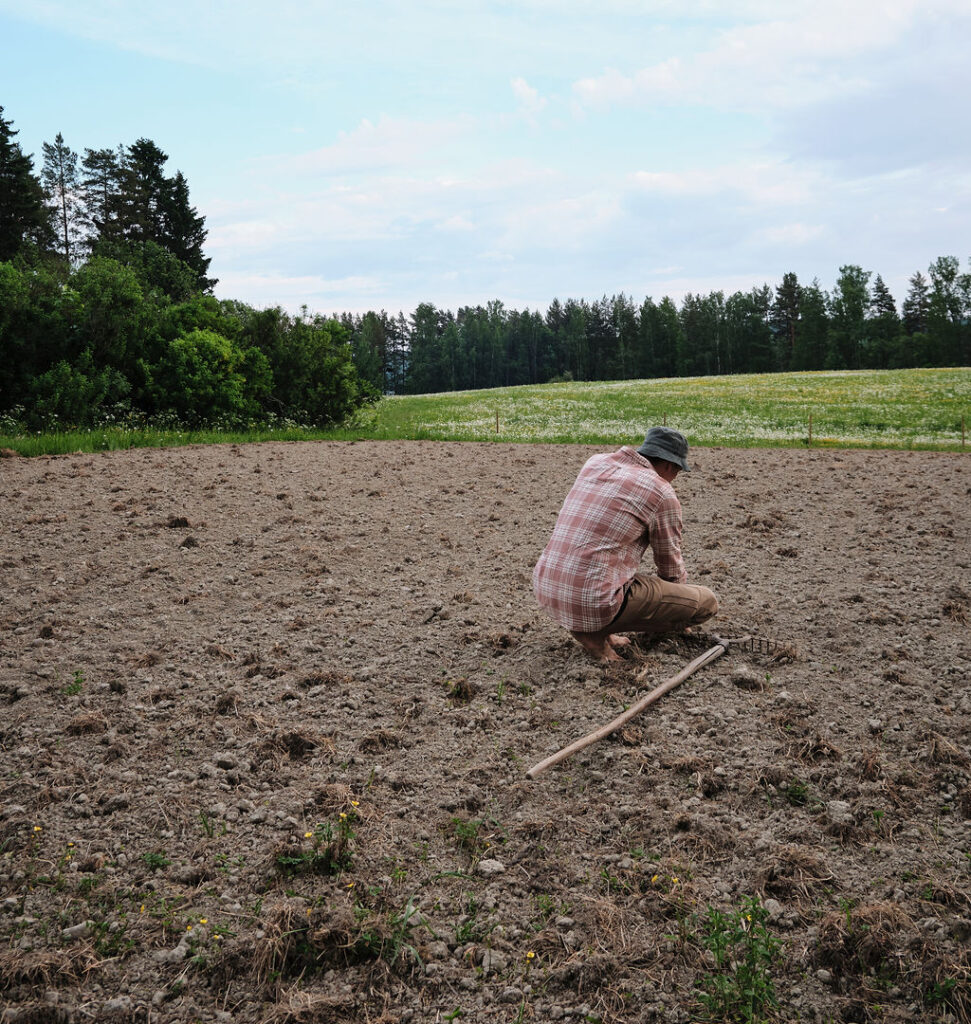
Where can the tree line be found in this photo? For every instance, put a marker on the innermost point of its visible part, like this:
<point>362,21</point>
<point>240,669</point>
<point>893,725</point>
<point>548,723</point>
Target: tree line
<point>107,312</point>
<point>793,326</point>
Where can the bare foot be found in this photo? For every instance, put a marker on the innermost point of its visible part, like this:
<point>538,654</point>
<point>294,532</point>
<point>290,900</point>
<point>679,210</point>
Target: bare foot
<point>597,645</point>
<point>616,640</point>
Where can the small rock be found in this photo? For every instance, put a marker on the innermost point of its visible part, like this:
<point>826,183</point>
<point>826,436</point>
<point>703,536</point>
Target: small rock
<point>839,812</point>
<point>746,678</point>
<point>493,962</point>
<point>487,868</point>
<point>824,976</point>
<point>79,931</point>
<point>120,1004</point>
<point>774,909</point>
<point>510,994</point>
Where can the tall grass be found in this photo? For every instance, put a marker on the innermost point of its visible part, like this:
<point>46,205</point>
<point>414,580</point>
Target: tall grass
<point>900,409</point>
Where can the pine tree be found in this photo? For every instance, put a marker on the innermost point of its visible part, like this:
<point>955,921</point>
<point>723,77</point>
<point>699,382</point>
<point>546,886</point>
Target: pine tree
<point>62,189</point>
<point>24,217</point>
<point>101,194</point>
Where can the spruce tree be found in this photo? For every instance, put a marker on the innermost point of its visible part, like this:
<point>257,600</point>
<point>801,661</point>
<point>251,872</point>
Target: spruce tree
<point>24,217</point>
<point>784,318</point>
<point>183,231</point>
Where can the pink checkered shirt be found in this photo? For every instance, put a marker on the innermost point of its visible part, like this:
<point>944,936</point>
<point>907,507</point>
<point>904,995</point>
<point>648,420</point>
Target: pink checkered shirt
<point>617,508</point>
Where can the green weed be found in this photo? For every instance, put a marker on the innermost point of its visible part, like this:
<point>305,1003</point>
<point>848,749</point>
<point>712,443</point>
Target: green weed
<point>744,952</point>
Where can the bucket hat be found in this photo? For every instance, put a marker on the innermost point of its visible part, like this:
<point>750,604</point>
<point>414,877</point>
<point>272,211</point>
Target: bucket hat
<point>665,443</point>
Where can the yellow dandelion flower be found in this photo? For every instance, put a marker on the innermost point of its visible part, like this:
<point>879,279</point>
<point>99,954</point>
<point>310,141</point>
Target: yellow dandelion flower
<point>308,835</point>
<point>188,927</point>
<point>141,909</point>
<point>530,955</point>
<point>216,935</point>
<point>355,803</point>
<point>203,920</point>
<point>654,879</point>
<point>37,828</point>
<point>350,885</point>
<point>674,879</point>
<point>343,816</point>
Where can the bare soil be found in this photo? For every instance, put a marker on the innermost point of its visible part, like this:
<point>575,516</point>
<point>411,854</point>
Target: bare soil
<point>268,710</point>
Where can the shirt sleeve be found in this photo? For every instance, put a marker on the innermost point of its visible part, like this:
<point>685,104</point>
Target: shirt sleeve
<point>666,542</point>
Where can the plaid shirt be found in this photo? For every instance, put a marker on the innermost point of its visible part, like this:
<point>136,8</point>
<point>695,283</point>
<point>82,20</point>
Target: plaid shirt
<point>616,509</point>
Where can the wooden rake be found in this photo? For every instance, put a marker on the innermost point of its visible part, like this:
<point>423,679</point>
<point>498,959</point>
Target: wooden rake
<point>758,645</point>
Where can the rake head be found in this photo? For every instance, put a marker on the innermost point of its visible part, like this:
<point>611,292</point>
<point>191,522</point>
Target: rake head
<point>776,649</point>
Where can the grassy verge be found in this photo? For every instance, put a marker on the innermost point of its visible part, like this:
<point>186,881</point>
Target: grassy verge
<point>897,409</point>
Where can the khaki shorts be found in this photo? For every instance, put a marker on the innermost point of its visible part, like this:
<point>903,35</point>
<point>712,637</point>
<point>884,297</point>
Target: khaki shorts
<point>655,606</point>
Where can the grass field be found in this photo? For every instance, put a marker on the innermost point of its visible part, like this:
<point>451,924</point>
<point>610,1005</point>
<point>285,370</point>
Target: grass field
<point>924,409</point>
<point>861,409</point>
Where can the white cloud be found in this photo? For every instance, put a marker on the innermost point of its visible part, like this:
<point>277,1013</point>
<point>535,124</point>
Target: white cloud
<point>386,143</point>
<point>805,53</point>
<point>764,183</point>
<point>530,101</point>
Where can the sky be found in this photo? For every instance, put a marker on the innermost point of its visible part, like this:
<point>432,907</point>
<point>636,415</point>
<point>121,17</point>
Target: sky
<point>375,155</point>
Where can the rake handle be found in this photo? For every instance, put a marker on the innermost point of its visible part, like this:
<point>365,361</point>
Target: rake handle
<point>632,711</point>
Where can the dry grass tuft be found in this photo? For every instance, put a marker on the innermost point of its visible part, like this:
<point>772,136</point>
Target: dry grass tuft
<point>461,690</point>
<point>956,612</point>
<point>327,678</point>
<point>295,744</point>
<point>794,871</point>
<point>297,1006</point>
<point>42,967</point>
<point>89,724</point>
<point>382,739</point>
<point>943,751</point>
<point>863,939</point>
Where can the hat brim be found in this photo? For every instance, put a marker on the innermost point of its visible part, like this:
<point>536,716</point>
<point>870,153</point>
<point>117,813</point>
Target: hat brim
<point>655,451</point>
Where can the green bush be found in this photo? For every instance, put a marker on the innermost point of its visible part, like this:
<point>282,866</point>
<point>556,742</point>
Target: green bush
<point>203,377</point>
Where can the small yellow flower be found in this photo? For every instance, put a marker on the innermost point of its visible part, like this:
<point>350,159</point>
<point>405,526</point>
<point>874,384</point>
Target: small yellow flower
<point>216,935</point>
<point>203,920</point>
<point>530,955</point>
<point>67,856</point>
<point>141,909</point>
<point>350,885</point>
<point>343,816</point>
<point>654,878</point>
<point>188,927</point>
<point>308,835</point>
<point>37,828</point>
<point>355,803</point>
<point>674,879</point>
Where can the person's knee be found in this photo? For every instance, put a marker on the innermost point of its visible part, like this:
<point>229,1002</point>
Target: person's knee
<point>707,605</point>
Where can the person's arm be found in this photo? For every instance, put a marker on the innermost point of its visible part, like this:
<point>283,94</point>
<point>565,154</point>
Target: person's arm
<point>666,542</point>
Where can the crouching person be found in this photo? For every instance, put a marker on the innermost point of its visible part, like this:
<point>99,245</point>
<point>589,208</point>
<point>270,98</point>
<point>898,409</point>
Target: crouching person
<point>587,578</point>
